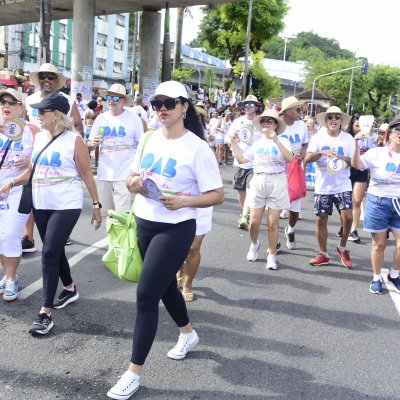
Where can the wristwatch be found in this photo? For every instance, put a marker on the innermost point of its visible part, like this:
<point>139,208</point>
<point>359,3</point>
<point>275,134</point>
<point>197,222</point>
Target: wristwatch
<point>97,204</point>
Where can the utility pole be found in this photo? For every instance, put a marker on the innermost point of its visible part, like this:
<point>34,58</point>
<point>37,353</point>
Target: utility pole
<point>166,54</point>
<point>246,58</point>
<point>45,24</point>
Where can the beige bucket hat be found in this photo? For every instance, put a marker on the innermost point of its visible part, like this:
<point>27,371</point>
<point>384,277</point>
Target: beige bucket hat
<point>250,99</point>
<point>290,102</point>
<point>117,89</point>
<point>333,110</point>
<point>61,79</point>
<point>13,93</point>
<point>274,115</point>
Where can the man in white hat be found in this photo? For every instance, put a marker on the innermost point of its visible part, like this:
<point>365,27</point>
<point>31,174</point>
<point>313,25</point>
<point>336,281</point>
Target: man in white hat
<point>247,133</point>
<point>138,109</point>
<point>332,148</point>
<point>296,133</point>
<point>116,133</point>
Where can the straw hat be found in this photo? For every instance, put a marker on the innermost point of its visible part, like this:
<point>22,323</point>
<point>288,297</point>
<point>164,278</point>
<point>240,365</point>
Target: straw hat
<point>274,115</point>
<point>290,102</point>
<point>382,128</point>
<point>333,110</point>
<point>117,90</point>
<point>250,99</point>
<point>13,93</point>
<point>61,79</point>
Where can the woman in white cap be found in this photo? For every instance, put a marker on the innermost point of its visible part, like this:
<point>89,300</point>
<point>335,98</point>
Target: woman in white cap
<point>185,172</point>
<point>16,144</point>
<point>268,188</point>
<point>382,210</point>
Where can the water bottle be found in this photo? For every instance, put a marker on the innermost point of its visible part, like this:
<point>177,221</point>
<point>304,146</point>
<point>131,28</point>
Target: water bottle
<point>4,207</point>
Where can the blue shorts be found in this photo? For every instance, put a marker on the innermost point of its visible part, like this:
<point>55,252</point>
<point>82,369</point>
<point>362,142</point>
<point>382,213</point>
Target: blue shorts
<point>380,214</point>
<point>323,203</point>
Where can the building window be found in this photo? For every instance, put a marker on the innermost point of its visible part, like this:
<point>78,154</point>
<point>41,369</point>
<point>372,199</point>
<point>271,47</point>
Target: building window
<point>103,17</point>
<point>100,64</point>
<point>61,60</point>
<point>117,68</point>
<point>101,39</point>
<point>120,20</point>
<point>63,31</point>
<point>34,53</point>
<point>118,44</point>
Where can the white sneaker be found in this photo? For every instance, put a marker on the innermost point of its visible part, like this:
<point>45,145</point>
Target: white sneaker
<point>186,342</point>
<point>271,262</point>
<point>252,254</point>
<point>284,214</point>
<point>127,385</point>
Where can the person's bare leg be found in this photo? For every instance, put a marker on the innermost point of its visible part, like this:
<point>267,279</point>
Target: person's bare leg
<point>322,231</point>
<point>359,190</point>
<point>192,264</point>
<point>29,227</point>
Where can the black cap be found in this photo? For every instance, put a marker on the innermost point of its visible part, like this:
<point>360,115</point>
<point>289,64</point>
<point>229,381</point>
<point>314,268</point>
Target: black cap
<point>394,123</point>
<point>54,101</point>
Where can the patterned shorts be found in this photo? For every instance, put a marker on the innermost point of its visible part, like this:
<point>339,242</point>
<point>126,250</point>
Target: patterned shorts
<point>323,203</point>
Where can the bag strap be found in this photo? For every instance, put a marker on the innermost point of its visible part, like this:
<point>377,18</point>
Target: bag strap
<point>5,153</point>
<point>40,153</point>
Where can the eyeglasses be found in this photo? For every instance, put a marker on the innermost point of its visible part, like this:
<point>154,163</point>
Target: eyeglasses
<point>10,102</point>
<point>336,116</point>
<point>113,98</point>
<point>169,104</point>
<point>49,75</point>
<point>44,111</point>
<point>267,121</point>
<point>396,129</point>
<point>249,105</point>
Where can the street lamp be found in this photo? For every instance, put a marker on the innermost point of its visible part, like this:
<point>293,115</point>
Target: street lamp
<point>246,58</point>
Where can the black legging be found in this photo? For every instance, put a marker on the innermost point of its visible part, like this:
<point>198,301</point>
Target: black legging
<point>55,227</point>
<point>164,248</point>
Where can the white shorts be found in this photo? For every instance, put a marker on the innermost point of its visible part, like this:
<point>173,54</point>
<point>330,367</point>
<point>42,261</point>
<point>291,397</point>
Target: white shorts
<point>295,205</point>
<point>11,226</point>
<point>268,190</point>
<point>203,220</point>
<point>114,195</point>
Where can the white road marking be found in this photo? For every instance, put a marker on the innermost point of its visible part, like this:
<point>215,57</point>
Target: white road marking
<point>395,296</point>
<point>37,285</point>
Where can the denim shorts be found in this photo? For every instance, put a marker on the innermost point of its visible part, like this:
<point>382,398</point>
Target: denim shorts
<point>323,203</point>
<point>380,214</point>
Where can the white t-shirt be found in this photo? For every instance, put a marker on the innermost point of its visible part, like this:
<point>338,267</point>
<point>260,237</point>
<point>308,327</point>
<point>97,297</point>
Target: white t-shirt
<point>33,113</point>
<point>184,166</point>
<point>297,135</point>
<point>139,110</point>
<point>56,183</point>
<point>248,135</point>
<point>266,156</point>
<point>344,145</point>
<point>82,107</point>
<point>384,167</point>
<point>121,137</point>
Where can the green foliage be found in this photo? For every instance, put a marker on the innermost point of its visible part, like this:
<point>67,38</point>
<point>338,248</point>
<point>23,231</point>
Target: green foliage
<point>182,74</point>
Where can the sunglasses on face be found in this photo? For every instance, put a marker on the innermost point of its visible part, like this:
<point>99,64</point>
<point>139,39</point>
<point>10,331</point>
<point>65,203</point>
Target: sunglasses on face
<point>249,105</point>
<point>44,111</point>
<point>50,76</point>
<point>169,104</point>
<point>10,102</point>
<point>113,98</point>
<point>267,121</point>
<point>335,116</point>
<point>396,129</point>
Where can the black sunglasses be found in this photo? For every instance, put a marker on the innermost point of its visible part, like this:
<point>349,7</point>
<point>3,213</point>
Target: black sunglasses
<point>113,98</point>
<point>49,75</point>
<point>336,116</point>
<point>267,121</point>
<point>45,110</point>
<point>10,102</point>
<point>169,104</point>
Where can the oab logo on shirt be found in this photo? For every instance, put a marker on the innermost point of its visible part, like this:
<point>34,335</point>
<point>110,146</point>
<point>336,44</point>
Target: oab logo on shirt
<point>45,161</point>
<point>108,132</point>
<point>166,169</point>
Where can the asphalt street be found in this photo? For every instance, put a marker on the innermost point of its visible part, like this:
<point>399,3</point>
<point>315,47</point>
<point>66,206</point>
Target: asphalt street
<point>300,332</point>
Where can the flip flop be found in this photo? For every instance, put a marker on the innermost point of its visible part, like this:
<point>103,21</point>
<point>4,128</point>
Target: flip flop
<point>188,297</point>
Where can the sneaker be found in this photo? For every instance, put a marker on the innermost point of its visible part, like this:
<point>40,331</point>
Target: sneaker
<point>28,246</point>
<point>284,214</point>
<point>11,291</point>
<point>395,282</point>
<point>252,254</point>
<point>319,259</point>
<point>376,287</point>
<point>42,324</point>
<point>243,221</point>
<point>127,385</point>
<point>345,257</point>
<point>66,297</point>
<point>340,232</point>
<point>271,262</point>
<point>290,240</point>
<point>278,246</point>
<point>354,237</point>
<point>184,345</point>
<point>68,242</point>
<point>3,284</point>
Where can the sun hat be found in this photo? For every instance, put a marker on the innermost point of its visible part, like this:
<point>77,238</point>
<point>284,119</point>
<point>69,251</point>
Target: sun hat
<point>13,93</point>
<point>394,123</point>
<point>61,79</point>
<point>333,110</point>
<point>171,89</point>
<point>54,101</point>
<point>118,90</point>
<point>250,99</point>
<point>290,102</point>
<point>274,115</point>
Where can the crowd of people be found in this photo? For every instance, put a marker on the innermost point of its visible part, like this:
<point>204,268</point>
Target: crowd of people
<point>180,147</point>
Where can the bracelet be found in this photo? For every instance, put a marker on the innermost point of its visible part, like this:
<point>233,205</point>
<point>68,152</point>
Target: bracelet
<point>12,183</point>
<point>97,204</point>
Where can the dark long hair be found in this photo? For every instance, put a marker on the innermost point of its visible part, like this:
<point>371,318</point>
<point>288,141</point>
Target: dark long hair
<point>354,119</point>
<point>191,122</point>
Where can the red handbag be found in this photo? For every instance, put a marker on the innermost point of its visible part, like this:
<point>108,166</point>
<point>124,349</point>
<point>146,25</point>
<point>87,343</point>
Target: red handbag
<point>296,180</point>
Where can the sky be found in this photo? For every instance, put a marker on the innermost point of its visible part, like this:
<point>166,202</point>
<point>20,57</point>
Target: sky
<point>366,27</point>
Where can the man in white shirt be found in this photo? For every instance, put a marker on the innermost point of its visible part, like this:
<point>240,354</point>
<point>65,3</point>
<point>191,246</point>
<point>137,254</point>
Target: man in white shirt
<point>82,105</point>
<point>116,132</point>
<point>139,110</point>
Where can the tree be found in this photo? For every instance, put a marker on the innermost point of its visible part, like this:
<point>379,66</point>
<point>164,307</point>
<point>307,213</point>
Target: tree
<point>181,12</point>
<point>223,28</point>
<point>182,74</point>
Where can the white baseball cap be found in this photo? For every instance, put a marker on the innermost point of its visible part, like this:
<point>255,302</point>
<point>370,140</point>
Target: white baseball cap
<point>171,89</point>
